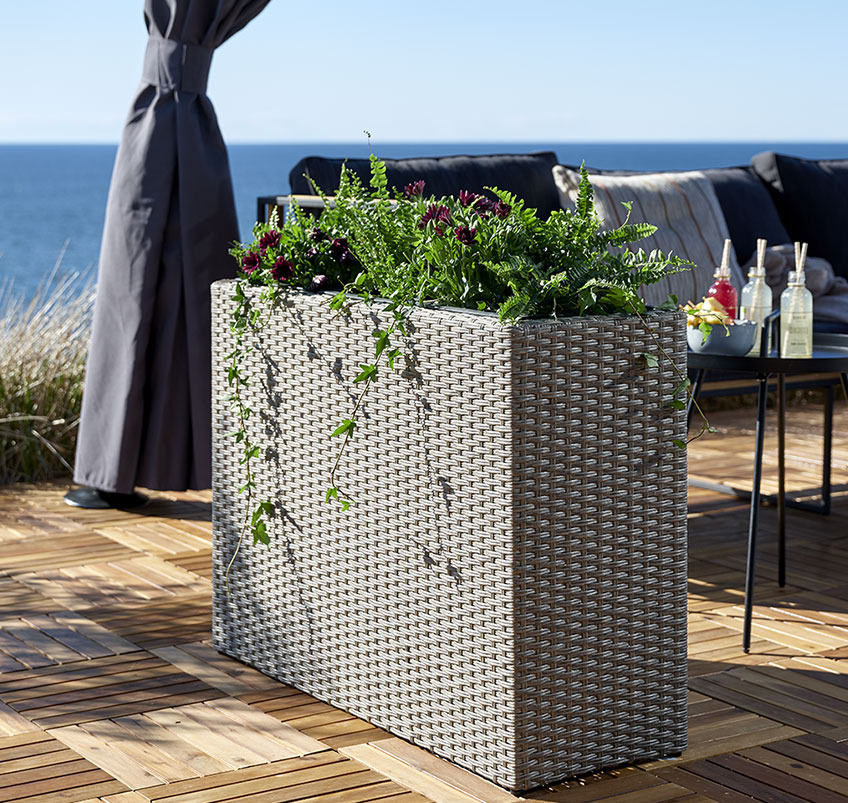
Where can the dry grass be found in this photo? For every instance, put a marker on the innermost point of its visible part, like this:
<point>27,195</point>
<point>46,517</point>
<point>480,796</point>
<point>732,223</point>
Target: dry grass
<point>43,345</point>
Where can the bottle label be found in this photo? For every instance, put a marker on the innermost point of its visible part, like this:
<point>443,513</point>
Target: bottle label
<point>796,338</point>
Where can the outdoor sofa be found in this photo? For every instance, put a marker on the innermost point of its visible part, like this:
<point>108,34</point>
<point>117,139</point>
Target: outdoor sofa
<point>778,197</point>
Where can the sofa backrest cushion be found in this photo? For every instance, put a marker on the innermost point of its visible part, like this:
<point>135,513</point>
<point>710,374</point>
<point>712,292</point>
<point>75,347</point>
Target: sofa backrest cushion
<point>745,201</point>
<point>812,198</point>
<point>748,209</point>
<point>527,175</point>
<point>686,212</point>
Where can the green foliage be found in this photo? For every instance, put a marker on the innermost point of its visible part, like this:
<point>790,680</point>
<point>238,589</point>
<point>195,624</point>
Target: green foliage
<point>43,346</point>
<point>484,253</point>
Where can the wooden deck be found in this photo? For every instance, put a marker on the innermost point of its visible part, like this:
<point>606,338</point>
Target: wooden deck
<point>109,690</point>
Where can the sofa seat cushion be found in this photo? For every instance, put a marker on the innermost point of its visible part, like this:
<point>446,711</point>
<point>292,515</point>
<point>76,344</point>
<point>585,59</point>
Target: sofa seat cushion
<point>686,211</point>
<point>748,209</point>
<point>527,175</point>
<point>812,198</point>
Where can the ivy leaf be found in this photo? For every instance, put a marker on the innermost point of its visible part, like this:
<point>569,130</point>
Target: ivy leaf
<point>368,372</point>
<point>679,443</point>
<point>676,404</point>
<point>332,493</point>
<point>260,533</point>
<point>682,386</point>
<point>382,342</point>
<point>705,330</point>
<point>670,304</point>
<point>346,426</point>
<point>391,356</point>
<point>651,360</point>
<point>249,454</point>
<point>338,300</point>
<point>345,505</point>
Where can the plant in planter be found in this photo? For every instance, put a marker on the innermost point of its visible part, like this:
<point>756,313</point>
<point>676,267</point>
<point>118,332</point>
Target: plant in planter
<point>508,587</point>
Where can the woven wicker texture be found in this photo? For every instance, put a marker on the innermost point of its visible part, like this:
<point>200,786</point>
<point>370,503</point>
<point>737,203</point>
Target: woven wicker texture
<point>508,589</point>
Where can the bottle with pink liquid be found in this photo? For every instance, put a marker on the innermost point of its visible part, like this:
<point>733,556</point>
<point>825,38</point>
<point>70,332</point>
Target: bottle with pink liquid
<point>722,289</point>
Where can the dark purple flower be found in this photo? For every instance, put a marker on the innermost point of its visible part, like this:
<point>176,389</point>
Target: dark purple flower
<point>283,270</point>
<point>436,212</point>
<point>483,205</point>
<point>338,247</point>
<point>311,253</point>
<point>319,282</point>
<point>467,198</point>
<point>413,189</point>
<point>501,210</point>
<point>465,235</point>
<point>317,235</point>
<point>250,262</point>
<point>271,239</point>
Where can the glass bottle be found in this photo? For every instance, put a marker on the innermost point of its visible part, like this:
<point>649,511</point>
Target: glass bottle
<point>796,318</point>
<point>755,304</point>
<point>722,289</point>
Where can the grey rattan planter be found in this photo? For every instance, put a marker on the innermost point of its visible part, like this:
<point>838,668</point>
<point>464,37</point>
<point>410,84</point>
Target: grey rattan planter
<point>509,589</point>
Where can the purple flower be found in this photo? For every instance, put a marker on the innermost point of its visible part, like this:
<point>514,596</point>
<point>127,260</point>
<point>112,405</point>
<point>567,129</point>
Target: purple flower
<point>465,235</point>
<point>338,246</point>
<point>271,239</point>
<point>483,205</point>
<point>501,209</point>
<point>317,235</point>
<point>413,189</point>
<point>436,212</point>
<point>250,262</point>
<point>311,253</point>
<point>319,282</point>
<point>283,270</point>
<point>467,198</point>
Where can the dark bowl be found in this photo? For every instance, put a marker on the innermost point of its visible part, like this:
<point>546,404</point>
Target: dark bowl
<point>734,340</point>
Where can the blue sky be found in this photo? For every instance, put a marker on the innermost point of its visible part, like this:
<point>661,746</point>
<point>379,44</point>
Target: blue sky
<point>464,70</point>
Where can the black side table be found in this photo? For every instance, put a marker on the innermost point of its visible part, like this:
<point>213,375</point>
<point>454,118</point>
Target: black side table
<point>830,356</point>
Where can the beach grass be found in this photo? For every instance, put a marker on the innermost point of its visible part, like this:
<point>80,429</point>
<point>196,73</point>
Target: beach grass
<point>43,347</point>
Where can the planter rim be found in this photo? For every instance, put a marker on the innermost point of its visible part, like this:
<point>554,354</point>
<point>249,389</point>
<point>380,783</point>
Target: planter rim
<point>484,314</point>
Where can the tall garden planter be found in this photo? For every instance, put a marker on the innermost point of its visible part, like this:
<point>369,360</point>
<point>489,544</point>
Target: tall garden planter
<point>508,589</point>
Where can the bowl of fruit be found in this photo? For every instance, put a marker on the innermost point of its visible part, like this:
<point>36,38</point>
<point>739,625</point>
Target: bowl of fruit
<point>712,331</point>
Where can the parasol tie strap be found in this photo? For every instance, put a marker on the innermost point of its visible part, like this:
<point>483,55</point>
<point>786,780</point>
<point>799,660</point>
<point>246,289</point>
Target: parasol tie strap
<point>177,66</point>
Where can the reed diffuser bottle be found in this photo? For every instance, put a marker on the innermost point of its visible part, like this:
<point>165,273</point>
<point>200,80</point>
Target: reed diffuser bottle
<point>755,299</point>
<point>796,311</point>
<point>722,289</point>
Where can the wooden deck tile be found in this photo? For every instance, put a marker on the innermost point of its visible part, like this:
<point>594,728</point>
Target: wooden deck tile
<point>35,768</point>
<point>102,687</point>
<point>164,622</point>
<point>422,772</point>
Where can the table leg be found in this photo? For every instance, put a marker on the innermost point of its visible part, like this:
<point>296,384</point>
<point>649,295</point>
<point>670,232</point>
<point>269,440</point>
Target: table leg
<point>781,480</point>
<point>755,509</point>
<point>828,449</point>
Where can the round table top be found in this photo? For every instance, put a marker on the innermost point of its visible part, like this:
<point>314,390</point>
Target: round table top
<point>830,355</point>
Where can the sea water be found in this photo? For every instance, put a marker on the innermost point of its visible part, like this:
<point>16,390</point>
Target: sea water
<point>53,197</point>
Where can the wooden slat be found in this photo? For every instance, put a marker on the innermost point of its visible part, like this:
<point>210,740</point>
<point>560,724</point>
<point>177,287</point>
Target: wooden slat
<point>145,729</point>
<point>291,738</point>
<point>95,632</point>
<point>99,753</point>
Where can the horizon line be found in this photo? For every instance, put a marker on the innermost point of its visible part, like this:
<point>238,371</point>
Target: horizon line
<point>509,141</point>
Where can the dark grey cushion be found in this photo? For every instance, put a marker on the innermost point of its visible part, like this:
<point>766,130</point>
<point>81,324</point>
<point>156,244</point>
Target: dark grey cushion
<point>527,175</point>
<point>748,209</point>
<point>812,199</point>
